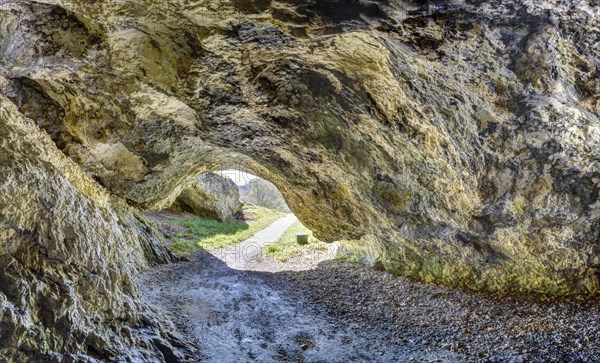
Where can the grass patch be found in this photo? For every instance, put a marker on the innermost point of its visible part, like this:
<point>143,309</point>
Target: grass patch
<point>352,258</point>
<point>287,247</point>
<point>211,234</point>
<point>348,257</point>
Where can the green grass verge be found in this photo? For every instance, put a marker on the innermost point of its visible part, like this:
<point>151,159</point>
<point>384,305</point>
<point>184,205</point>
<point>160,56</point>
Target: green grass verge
<point>211,234</point>
<point>287,247</point>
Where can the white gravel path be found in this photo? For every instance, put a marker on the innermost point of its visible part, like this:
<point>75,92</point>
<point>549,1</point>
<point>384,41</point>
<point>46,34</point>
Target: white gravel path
<point>249,254</point>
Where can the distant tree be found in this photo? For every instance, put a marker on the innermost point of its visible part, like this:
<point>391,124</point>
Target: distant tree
<point>262,193</point>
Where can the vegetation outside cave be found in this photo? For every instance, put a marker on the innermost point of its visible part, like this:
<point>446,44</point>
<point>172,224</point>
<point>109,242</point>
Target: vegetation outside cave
<point>264,194</point>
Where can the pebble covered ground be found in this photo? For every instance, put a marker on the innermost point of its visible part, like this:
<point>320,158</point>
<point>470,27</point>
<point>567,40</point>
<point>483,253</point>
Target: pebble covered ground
<point>483,327</point>
<point>341,311</point>
<point>252,316</point>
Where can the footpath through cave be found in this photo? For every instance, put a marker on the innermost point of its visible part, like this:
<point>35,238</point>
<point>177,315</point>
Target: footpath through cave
<point>267,299</point>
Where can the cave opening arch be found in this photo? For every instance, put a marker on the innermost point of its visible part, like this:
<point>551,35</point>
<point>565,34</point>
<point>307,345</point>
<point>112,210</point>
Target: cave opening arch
<point>302,193</point>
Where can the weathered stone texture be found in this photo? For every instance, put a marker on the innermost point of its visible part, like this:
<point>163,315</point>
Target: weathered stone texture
<point>69,254</point>
<point>210,196</point>
<point>455,142</point>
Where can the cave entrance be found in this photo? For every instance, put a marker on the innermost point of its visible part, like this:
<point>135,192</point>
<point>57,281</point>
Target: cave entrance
<point>257,191</point>
<point>242,220</point>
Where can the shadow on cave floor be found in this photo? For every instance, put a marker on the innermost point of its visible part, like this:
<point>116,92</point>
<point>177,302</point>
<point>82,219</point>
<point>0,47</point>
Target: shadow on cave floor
<point>341,311</point>
<point>245,315</point>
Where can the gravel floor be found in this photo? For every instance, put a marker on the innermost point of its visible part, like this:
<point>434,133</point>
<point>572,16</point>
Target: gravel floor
<point>267,311</point>
<point>481,326</point>
<point>252,316</point>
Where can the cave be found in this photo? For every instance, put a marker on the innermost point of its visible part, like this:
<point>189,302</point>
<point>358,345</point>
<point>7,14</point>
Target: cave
<point>451,149</point>
<point>242,220</point>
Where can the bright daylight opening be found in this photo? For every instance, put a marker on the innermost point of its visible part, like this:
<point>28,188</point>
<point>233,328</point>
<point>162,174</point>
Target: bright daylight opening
<point>242,220</point>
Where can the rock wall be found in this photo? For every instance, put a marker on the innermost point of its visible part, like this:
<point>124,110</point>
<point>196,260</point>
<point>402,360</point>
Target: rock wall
<point>210,196</point>
<point>69,254</point>
<point>455,142</point>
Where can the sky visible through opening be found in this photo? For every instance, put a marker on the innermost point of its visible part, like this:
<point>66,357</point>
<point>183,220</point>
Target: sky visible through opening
<point>239,177</point>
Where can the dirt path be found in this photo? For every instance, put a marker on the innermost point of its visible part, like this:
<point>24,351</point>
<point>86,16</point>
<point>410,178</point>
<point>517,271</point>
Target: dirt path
<point>249,254</point>
<point>241,311</point>
<point>237,312</point>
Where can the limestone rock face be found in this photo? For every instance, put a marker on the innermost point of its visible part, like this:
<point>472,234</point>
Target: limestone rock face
<point>456,142</point>
<point>69,254</point>
<point>210,196</point>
